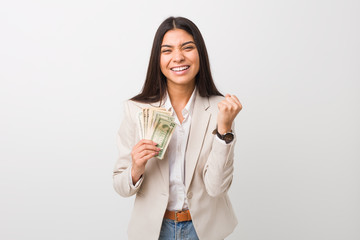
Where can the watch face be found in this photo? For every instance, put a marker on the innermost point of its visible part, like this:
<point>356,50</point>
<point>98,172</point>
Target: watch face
<point>228,137</point>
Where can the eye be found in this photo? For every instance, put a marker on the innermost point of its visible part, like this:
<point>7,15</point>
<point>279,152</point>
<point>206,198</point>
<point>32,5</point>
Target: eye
<point>189,47</point>
<point>165,51</point>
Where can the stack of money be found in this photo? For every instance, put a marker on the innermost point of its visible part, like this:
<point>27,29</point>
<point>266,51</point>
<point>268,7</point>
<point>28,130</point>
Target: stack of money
<point>158,125</point>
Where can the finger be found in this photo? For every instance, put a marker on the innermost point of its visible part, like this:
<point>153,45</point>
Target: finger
<point>236,99</point>
<point>145,147</point>
<point>147,157</point>
<point>221,105</point>
<point>142,142</point>
<point>227,97</point>
<point>139,157</point>
<point>235,102</point>
<point>227,105</point>
<point>147,141</point>
<point>147,153</point>
<point>231,97</point>
<point>232,101</point>
<point>148,146</point>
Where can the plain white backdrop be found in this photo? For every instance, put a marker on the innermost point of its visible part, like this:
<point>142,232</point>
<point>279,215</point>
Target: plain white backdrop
<point>67,66</point>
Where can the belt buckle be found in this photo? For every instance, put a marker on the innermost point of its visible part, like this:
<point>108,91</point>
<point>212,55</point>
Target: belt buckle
<point>176,215</point>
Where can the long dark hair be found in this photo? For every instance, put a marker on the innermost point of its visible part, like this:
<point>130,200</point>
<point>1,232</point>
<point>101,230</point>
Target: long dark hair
<point>155,84</point>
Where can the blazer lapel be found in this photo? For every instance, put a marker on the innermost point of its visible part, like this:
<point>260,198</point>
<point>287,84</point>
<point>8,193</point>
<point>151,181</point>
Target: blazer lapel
<point>199,123</point>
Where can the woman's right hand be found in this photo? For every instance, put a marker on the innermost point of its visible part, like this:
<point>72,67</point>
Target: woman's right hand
<point>140,154</point>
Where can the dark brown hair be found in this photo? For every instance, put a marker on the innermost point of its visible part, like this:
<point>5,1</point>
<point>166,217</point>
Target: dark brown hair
<point>155,84</point>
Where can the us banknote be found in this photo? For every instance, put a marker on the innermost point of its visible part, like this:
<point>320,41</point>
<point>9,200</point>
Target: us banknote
<point>158,125</point>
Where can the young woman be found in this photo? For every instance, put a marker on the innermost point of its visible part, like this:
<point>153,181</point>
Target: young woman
<point>184,195</point>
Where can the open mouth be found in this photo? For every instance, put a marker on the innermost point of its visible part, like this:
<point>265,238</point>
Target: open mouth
<point>179,69</point>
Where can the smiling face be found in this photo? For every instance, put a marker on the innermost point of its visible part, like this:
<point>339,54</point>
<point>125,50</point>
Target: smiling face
<point>179,58</point>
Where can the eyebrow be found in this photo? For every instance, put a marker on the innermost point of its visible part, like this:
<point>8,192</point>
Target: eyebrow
<point>185,43</point>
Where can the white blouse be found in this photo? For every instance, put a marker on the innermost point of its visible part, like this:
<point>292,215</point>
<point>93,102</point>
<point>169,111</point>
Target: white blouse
<point>176,156</point>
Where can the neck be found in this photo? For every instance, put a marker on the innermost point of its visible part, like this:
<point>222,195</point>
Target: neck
<point>180,95</point>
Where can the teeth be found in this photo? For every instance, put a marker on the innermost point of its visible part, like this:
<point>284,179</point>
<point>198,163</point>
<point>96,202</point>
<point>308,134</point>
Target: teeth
<point>179,68</point>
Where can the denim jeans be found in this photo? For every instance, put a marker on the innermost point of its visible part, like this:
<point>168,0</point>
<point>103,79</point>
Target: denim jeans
<point>171,230</point>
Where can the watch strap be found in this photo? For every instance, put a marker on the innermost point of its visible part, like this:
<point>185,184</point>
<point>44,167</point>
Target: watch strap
<point>228,137</point>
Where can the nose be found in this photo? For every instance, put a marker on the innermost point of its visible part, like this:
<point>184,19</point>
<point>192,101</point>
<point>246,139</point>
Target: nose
<point>178,56</point>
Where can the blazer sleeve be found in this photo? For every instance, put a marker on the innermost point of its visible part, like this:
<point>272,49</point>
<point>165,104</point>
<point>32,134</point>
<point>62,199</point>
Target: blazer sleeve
<point>218,170</point>
<point>122,170</point>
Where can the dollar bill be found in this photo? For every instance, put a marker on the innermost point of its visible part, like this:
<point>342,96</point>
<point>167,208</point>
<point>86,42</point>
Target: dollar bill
<point>158,125</point>
<point>162,133</point>
<point>156,117</point>
<point>141,125</point>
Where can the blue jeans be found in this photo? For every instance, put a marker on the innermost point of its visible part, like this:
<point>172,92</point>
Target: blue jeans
<point>171,230</point>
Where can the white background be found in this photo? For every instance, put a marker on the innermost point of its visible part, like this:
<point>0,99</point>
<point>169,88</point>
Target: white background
<point>67,66</point>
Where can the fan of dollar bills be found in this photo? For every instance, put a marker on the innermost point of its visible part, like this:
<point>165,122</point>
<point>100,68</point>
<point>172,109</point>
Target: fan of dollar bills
<point>158,125</point>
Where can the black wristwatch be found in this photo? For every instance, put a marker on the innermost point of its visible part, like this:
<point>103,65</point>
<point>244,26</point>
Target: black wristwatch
<point>227,137</point>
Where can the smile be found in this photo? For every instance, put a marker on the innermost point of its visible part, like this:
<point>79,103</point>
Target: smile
<point>178,69</point>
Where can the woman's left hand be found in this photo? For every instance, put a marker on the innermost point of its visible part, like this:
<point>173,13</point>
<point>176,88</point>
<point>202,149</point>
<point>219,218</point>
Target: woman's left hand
<point>228,109</point>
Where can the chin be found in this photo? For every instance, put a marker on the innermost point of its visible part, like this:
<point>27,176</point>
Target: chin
<point>182,81</point>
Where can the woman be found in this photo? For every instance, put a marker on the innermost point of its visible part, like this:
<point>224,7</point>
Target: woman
<point>183,196</point>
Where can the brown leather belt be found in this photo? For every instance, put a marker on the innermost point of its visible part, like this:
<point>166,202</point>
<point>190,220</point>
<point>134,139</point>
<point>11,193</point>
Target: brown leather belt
<point>178,216</point>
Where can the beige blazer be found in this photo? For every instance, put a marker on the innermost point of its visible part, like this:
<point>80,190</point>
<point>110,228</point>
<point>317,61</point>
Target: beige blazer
<point>208,176</point>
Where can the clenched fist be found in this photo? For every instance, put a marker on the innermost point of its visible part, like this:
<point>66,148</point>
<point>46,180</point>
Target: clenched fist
<point>228,109</point>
